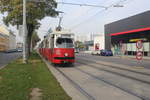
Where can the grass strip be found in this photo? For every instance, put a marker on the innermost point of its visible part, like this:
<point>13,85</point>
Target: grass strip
<point>17,81</point>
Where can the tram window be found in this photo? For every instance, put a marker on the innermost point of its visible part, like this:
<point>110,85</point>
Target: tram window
<point>64,43</point>
<point>69,41</point>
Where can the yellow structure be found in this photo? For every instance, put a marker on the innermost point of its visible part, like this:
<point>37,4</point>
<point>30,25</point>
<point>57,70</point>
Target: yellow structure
<point>4,38</point>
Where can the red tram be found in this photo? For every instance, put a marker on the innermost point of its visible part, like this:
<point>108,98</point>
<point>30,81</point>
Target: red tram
<point>58,47</point>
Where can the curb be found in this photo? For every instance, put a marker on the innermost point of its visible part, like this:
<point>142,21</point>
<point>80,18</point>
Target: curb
<point>3,66</point>
<point>126,57</point>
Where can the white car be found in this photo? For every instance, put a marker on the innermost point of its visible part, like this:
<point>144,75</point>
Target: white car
<point>97,52</point>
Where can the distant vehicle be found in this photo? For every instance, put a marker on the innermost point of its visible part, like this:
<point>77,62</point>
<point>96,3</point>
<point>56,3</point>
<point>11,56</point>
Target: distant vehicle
<point>76,50</point>
<point>97,52</point>
<point>11,51</point>
<point>106,53</point>
<point>14,50</point>
<point>19,50</point>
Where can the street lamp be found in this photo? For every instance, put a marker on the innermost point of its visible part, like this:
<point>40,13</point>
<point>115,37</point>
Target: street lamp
<point>24,33</point>
<point>25,29</point>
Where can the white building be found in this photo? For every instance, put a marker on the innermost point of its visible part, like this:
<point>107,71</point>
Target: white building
<point>99,42</point>
<point>12,41</point>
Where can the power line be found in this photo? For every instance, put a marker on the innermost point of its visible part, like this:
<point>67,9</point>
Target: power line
<point>112,5</point>
<point>77,25</point>
<point>80,4</point>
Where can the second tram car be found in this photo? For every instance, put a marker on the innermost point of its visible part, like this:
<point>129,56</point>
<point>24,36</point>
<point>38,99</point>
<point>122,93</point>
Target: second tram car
<point>58,47</point>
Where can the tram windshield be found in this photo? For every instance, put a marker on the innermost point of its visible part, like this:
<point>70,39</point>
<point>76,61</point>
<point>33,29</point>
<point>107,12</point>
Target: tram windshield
<point>64,43</point>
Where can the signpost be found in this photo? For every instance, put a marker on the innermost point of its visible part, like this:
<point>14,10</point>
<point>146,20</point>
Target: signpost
<point>139,44</point>
<point>139,53</point>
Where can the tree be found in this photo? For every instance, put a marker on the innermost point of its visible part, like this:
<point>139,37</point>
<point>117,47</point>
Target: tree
<point>35,12</point>
<point>79,45</point>
<point>35,39</point>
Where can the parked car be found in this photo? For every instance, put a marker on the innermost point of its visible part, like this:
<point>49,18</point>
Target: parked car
<point>14,50</point>
<point>11,51</point>
<point>19,50</point>
<point>106,53</point>
<point>97,52</point>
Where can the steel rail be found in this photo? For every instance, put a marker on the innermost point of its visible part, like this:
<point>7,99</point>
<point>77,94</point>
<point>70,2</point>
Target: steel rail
<point>115,67</point>
<point>114,85</point>
<point>90,97</point>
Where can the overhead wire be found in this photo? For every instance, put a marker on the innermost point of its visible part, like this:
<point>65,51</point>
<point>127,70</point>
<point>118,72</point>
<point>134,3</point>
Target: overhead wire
<point>99,12</point>
<point>89,10</point>
<point>81,4</point>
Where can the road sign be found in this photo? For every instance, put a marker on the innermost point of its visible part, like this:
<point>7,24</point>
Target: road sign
<point>139,44</point>
<point>139,55</point>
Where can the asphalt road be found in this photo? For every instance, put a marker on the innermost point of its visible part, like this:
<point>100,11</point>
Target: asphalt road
<point>118,60</point>
<point>96,81</point>
<point>5,58</point>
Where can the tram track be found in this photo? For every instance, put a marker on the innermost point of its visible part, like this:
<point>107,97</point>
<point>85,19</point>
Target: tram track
<point>77,86</point>
<point>114,85</point>
<point>115,67</point>
<point>72,82</point>
<point>116,73</point>
<point>90,97</point>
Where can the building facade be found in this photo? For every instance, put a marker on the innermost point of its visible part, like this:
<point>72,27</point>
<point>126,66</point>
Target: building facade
<point>121,36</point>
<point>12,41</point>
<point>4,42</point>
<point>89,45</point>
<point>7,39</point>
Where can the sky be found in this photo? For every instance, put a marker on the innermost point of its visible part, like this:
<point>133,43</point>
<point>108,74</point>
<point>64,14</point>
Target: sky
<point>85,20</point>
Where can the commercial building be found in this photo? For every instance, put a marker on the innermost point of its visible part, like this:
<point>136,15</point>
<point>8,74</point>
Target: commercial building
<point>126,32</point>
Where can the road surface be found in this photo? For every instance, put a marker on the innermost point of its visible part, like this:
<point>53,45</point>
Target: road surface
<point>118,60</point>
<point>5,58</point>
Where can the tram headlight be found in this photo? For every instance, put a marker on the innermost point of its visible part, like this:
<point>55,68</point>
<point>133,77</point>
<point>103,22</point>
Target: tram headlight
<point>66,54</point>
